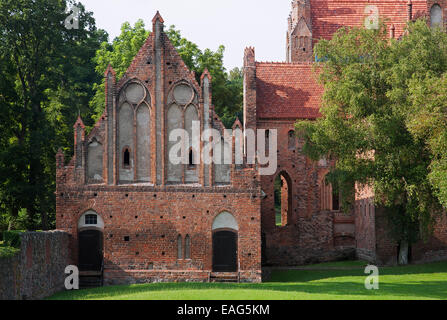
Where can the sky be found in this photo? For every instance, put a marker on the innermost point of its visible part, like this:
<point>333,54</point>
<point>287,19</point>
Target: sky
<point>236,24</point>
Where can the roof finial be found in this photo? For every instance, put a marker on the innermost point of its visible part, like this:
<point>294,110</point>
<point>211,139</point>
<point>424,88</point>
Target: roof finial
<point>157,17</point>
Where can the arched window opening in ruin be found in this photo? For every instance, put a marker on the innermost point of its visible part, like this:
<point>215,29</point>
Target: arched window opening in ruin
<point>126,158</point>
<point>179,248</point>
<point>436,16</point>
<point>282,199</point>
<point>292,140</point>
<point>330,197</point>
<point>335,200</point>
<point>187,247</point>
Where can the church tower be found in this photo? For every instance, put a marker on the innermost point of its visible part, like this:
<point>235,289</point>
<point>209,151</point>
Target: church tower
<point>299,33</point>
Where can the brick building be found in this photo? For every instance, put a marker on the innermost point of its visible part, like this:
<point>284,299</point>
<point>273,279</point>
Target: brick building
<point>135,216</point>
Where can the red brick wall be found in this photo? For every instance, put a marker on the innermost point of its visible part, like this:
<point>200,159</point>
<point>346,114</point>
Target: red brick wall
<point>153,218</point>
<point>154,215</point>
<point>309,234</point>
<point>435,248</point>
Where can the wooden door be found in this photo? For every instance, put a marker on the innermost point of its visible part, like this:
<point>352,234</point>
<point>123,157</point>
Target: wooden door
<point>225,251</point>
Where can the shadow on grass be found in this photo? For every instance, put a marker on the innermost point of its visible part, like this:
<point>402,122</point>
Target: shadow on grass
<point>411,281</point>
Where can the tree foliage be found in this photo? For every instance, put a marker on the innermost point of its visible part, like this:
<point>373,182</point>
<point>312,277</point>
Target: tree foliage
<point>373,105</point>
<point>46,81</point>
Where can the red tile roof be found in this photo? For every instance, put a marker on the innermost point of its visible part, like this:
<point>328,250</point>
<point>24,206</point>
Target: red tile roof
<point>287,90</point>
<point>330,15</point>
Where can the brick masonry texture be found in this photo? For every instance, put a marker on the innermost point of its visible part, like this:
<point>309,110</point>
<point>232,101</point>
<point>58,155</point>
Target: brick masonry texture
<point>38,270</point>
<point>153,213</point>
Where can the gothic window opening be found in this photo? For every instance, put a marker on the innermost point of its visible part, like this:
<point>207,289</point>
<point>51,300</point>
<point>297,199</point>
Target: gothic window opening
<point>330,197</point>
<point>292,140</point>
<point>126,158</point>
<point>191,164</point>
<point>267,141</point>
<point>282,199</point>
<point>335,200</point>
<point>436,16</point>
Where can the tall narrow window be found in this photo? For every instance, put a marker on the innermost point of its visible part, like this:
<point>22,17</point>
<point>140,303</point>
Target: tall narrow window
<point>335,200</point>
<point>179,248</point>
<point>436,16</point>
<point>292,140</point>
<point>282,199</point>
<point>267,142</point>
<point>191,164</point>
<point>126,158</point>
<point>187,247</point>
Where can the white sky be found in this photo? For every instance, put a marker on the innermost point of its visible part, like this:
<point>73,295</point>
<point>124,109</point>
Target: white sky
<point>235,24</point>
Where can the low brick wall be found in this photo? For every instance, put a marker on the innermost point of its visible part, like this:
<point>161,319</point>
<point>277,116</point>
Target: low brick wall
<point>37,271</point>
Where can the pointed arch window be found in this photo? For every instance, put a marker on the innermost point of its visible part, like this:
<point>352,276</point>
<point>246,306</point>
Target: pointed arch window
<point>292,140</point>
<point>436,16</point>
<point>191,159</point>
<point>330,197</point>
<point>126,158</point>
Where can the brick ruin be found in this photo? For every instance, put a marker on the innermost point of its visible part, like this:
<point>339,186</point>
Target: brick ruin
<point>135,216</point>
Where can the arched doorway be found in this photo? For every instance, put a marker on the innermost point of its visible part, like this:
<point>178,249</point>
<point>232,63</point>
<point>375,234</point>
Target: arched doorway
<point>282,199</point>
<point>90,242</point>
<point>225,243</point>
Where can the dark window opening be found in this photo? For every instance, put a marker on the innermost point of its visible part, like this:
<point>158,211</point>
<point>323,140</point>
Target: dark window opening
<point>335,200</point>
<point>267,141</point>
<point>91,219</point>
<point>126,160</point>
<point>191,163</point>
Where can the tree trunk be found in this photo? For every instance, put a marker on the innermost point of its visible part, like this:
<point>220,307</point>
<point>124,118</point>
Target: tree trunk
<point>403,252</point>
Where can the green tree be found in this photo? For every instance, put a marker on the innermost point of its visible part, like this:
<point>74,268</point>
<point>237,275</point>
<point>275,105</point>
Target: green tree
<point>428,123</point>
<point>364,127</point>
<point>44,68</point>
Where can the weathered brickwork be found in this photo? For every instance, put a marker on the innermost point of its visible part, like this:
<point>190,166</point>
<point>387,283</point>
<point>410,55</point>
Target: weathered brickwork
<point>147,206</point>
<point>38,270</point>
<point>276,94</point>
<point>161,221</point>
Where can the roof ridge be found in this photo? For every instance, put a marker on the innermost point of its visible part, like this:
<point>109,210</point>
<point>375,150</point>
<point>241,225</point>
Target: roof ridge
<point>285,63</point>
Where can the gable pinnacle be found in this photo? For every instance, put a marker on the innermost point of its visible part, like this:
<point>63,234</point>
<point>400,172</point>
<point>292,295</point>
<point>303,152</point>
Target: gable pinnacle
<point>158,17</point>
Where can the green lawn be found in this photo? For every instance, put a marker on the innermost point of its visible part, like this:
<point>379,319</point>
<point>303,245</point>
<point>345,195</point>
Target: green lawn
<point>398,283</point>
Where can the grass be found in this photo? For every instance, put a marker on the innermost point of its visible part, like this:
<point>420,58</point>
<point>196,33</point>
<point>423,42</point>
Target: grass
<point>416,282</point>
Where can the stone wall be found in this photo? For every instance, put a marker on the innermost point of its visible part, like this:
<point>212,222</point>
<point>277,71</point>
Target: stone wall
<point>37,271</point>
